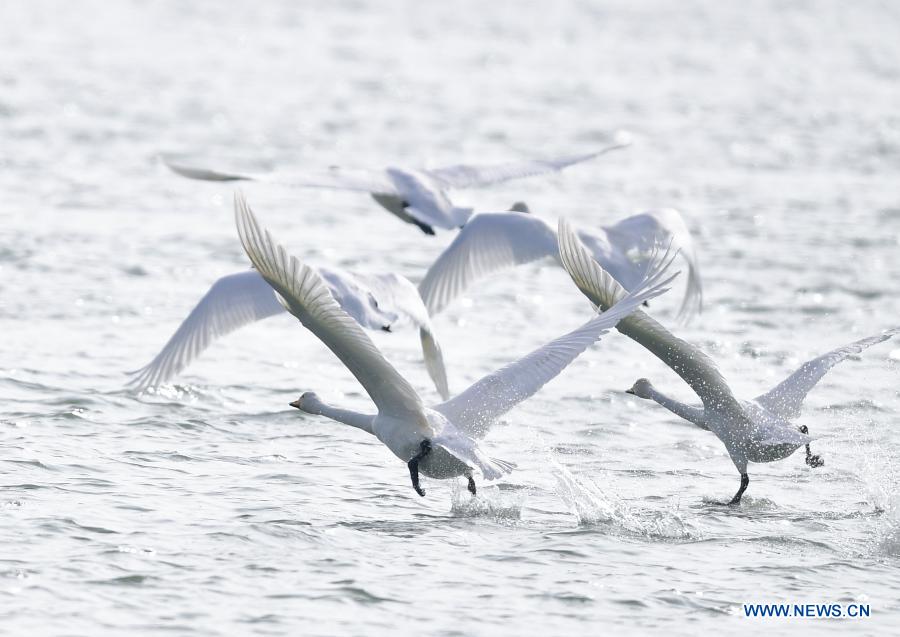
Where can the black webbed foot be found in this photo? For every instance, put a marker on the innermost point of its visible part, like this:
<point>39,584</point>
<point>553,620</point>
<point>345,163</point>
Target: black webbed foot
<point>813,460</point>
<point>413,464</point>
<point>471,486</point>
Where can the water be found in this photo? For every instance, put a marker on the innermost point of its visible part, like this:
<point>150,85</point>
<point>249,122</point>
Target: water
<point>211,508</point>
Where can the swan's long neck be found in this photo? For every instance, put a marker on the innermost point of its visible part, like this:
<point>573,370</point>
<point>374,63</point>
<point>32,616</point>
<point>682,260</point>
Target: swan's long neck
<point>346,416</point>
<point>688,412</point>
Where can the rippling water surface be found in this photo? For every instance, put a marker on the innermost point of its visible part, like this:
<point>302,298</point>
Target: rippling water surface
<point>212,508</point>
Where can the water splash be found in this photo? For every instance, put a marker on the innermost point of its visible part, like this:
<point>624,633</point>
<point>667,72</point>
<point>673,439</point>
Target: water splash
<point>502,506</point>
<point>594,505</point>
<point>878,472</point>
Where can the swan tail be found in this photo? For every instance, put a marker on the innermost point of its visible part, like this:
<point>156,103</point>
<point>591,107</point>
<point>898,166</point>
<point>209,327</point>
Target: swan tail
<point>493,468</point>
<point>434,362</point>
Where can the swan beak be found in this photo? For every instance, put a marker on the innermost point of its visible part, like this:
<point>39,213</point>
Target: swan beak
<point>627,391</point>
<point>296,404</point>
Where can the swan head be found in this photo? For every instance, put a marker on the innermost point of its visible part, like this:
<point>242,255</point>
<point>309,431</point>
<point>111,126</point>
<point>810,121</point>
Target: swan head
<point>519,206</point>
<point>641,388</point>
<point>308,402</point>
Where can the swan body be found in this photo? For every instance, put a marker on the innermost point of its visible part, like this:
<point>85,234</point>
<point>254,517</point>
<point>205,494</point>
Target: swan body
<point>490,242</point>
<point>375,301</point>
<point>440,441</point>
<point>752,431</point>
<point>418,197</point>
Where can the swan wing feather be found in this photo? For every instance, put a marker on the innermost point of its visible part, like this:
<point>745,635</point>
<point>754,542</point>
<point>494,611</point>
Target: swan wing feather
<point>306,296</point>
<point>786,398</point>
<point>475,176</point>
<point>475,409</point>
<point>232,302</point>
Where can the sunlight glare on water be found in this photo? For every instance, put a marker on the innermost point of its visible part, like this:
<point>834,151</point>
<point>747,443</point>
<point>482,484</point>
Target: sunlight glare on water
<point>210,507</point>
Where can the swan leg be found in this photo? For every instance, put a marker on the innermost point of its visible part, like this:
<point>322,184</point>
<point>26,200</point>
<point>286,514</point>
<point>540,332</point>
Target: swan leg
<point>745,480</point>
<point>813,461</point>
<point>424,450</point>
<point>471,486</point>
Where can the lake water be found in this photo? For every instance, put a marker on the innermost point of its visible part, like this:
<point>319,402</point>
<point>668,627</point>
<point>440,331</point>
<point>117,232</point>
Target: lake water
<point>212,508</point>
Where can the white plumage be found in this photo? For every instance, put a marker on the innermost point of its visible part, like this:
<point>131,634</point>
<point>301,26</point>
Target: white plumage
<point>439,441</point>
<point>419,196</point>
<point>495,241</point>
<point>377,302</point>
<point>752,431</point>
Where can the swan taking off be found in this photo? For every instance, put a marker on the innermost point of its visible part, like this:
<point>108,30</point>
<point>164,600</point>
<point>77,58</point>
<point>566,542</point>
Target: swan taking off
<point>377,302</point>
<point>498,240</point>
<point>417,196</point>
<point>440,441</point>
<point>759,430</point>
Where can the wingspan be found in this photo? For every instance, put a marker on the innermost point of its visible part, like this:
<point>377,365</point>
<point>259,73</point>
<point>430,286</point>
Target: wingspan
<point>232,302</point>
<point>486,244</point>
<point>471,176</point>
<point>786,399</point>
<point>475,409</point>
<point>307,297</point>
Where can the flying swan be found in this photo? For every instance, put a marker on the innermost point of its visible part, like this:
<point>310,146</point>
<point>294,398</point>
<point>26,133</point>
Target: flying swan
<point>499,240</point>
<point>757,430</point>
<point>417,196</point>
<point>440,442</point>
<point>376,302</point>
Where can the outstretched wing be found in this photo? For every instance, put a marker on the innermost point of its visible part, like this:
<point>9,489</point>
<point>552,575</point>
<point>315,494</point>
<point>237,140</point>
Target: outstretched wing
<point>232,302</point>
<point>643,232</point>
<point>335,178</point>
<point>307,297</point>
<point>475,409</point>
<point>786,399</point>
<point>469,176</point>
<point>696,368</point>
<point>487,243</point>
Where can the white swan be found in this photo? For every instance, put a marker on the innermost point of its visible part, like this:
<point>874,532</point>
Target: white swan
<point>377,302</point>
<point>494,241</point>
<point>418,196</point>
<point>752,431</point>
<point>440,441</point>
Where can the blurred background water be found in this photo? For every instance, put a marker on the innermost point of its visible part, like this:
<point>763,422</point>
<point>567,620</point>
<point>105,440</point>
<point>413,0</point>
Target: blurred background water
<point>211,508</point>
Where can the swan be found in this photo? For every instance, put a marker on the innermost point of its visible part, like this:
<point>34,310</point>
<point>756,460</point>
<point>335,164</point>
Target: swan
<point>376,302</point>
<point>417,196</point>
<point>498,240</point>
<point>757,430</point>
<point>441,441</point>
